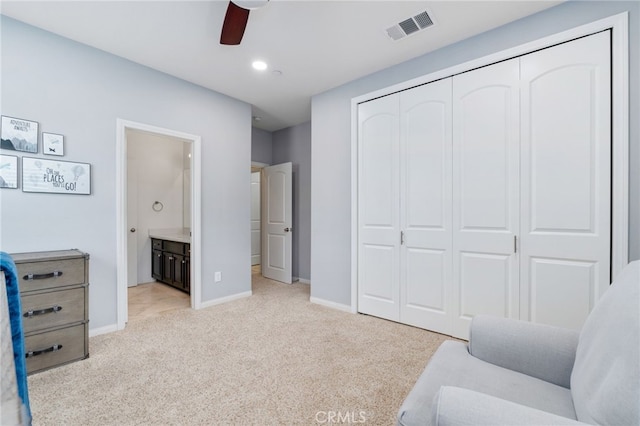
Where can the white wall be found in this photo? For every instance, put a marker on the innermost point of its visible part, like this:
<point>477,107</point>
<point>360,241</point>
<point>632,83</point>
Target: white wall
<point>331,133</point>
<point>80,92</point>
<point>186,187</point>
<point>158,162</point>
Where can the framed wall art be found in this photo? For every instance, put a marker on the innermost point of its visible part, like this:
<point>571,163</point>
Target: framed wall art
<point>19,135</point>
<point>52,144</point>
<point>55,176</point>
<point>8,171</point>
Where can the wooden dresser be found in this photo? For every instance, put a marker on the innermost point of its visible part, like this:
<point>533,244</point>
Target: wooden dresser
<point>54,290</point>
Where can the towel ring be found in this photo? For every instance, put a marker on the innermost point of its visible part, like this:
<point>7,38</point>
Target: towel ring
<point>157,206</point>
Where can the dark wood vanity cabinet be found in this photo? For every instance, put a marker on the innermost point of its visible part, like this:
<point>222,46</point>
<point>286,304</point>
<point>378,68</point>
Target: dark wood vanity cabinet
<point>170,263</point>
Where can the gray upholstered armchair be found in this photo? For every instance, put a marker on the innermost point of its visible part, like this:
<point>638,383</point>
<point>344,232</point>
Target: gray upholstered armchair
<point>520,373</point>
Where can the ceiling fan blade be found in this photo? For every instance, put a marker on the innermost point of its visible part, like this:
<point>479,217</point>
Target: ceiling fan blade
<point>235,21</point>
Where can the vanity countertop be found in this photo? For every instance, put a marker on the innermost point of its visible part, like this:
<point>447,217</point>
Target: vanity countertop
<point>181,235</point>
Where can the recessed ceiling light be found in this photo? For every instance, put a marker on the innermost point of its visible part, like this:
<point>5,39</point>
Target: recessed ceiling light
<point>259,65</point>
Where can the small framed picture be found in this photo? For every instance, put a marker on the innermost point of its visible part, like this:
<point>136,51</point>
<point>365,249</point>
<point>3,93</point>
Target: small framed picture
<point>52,144</point>
<point>8,171</point>
<point>19,135</point>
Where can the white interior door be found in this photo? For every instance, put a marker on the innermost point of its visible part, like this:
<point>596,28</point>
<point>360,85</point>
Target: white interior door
<point>132,222</point>
<point>255,218</point>
<point>566,173</point>
<point>378,209</point>
<point>425,206</point>
<point>277,222</point>
<point>485,193</point>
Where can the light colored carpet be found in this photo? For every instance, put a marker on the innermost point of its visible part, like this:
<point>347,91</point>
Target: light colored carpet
<point>270,359</point>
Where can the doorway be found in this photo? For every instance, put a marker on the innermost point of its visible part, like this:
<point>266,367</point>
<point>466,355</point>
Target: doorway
<point>272,220</point>
<point>256,220</point>
<point>124,128</point>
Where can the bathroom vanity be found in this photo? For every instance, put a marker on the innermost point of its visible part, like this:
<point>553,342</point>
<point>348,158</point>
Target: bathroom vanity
<point>170,257</point>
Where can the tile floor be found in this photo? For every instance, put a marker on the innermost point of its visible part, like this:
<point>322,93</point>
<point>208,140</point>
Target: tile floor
<point>150,299</point>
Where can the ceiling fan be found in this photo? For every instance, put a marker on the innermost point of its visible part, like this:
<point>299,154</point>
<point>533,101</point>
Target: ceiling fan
<point>235,21</point>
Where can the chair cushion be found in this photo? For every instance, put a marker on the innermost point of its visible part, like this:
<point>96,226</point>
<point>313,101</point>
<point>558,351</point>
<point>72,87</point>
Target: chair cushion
<point>463,407</point>
<point>605,382</point>
<point>452,365</point>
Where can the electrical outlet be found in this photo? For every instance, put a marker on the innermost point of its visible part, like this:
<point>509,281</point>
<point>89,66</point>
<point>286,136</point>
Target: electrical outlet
<point>218,277</point>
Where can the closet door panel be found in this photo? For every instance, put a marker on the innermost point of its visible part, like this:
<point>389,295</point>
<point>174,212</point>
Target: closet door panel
<point>485,193</point>
<point>425,206</point>
<point>378,215</point>
<point>483,158</point>
<point>380,271</point>
<point>562,291</point>
<point>485,284</point>
<point>566,175</point>
<point>426,140</point>
<point>425,273</point>
<point>561,161</point>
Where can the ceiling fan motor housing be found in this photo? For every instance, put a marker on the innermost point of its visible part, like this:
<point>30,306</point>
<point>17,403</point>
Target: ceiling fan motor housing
<point>250,4</point>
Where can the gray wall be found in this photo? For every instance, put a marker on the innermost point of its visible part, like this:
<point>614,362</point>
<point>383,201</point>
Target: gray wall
<point>331,133</point>
<point>79,92</point>
<point>261,146</point>
<point>294,144</point>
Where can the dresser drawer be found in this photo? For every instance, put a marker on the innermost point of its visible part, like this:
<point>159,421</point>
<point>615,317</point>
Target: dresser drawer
<point>53,309</point>
<point>50,274</point>
<point>69,344</point>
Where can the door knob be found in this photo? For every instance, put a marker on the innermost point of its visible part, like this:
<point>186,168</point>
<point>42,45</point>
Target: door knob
<point>132,229</point>
<point>288,229</point>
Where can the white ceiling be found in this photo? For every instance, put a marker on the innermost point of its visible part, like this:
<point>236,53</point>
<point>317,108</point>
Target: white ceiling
<point>317,45</point>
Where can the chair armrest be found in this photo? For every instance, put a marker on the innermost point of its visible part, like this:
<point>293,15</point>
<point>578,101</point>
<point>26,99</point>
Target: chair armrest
<point>460,407</point>
<point>542,351</point>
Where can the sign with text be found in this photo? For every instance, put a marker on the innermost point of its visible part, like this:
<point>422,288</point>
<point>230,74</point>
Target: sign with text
<point>60,177</point>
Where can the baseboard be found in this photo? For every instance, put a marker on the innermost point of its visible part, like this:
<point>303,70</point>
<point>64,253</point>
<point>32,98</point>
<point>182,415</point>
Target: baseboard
<point>226,299</point>
<point>103,330</point>
<point>114,327</point>
<point>301,280</point>
<point>330,304</point>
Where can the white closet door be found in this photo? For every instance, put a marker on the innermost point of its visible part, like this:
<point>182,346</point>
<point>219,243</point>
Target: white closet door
<point>566,174</point>
<point>425,212</point>
<point>378,208</point>
<point>485,193</point>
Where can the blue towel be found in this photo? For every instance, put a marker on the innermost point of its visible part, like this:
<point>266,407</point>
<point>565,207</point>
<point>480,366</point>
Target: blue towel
<point>17,335</point>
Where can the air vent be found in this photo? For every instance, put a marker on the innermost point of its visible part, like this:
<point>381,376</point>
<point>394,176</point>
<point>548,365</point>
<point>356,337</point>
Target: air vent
<point>409,26</point>
<point>423,20</point>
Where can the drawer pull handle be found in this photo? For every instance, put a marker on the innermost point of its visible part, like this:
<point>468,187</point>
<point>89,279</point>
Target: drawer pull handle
<point>31,277</point>
<point>33,313</point>
<point>53,348</point>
